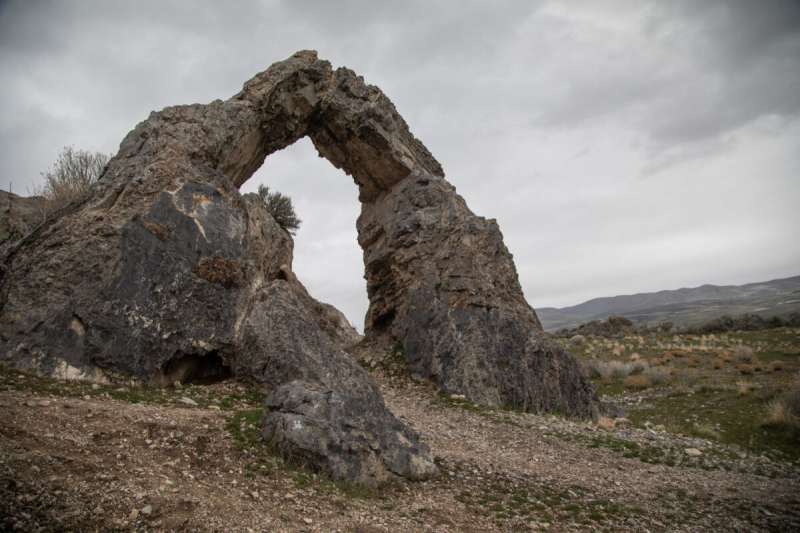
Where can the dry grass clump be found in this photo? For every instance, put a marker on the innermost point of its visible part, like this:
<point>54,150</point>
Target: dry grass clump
<point>657,375</point>
<point>706,430</point>
<point>606,423</point>
<point>637,381</point>
<point>608,370</point>
<point>743,354</point>
<point>776,366</point>
<point>745,370</point>
<point>785,411</point>
<point>744,387</point>
<point>577,340</point>
<point>639,366</point>
<point>717,364</point>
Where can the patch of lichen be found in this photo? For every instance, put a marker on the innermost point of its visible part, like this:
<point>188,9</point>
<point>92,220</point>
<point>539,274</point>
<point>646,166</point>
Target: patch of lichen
<point>161,231</point>
<point>225,272</point>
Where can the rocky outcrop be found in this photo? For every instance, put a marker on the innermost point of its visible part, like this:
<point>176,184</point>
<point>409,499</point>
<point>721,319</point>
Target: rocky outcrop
<point>323,409</point>
<point>200,288</point>
<point>18,216</point>
<point>442,284</point>
<point>164,271</point>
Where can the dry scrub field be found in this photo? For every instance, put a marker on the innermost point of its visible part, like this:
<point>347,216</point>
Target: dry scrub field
<point>740,389</point>
<point>702,447</point>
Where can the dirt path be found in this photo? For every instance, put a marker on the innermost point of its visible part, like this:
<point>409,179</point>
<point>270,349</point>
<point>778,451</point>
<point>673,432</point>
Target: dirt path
<point>90,462</point>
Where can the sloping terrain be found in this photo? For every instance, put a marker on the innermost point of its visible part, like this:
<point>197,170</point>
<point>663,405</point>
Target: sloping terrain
<point>84,458</point>
<point>19,214</point>
<point>683,307</point>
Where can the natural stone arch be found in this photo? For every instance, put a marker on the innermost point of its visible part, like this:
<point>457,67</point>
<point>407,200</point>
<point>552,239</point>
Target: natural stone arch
<point>166,261</point>
<point>440,280</point>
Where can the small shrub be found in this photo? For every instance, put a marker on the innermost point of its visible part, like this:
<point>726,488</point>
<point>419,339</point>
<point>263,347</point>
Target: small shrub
<point>744,387</point>
<point>706,431</point>
<point>280,207</point>
<point>778,414</point>
<point>745,370</point>
<point>776,366</point>
<point>638,366</point>
<point>638,381</point>
<point>607,370</point>
<point>606,423</point>
<point>657,375</point>
<point>792,399</point>
<point>71,176</point>
<point>743,354</point>
<point>717,364</point>
<point>785,411</point>
<point>577,340</point>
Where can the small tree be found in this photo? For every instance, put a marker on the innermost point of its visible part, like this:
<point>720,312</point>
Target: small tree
<point>71,176</point>
<point>281,208</point>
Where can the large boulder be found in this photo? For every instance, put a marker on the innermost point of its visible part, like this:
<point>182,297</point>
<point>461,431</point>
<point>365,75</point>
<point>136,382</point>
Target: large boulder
<point>166,272</point>
<point>323,409</point>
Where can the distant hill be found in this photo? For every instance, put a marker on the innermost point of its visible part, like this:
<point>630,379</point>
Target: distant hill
<point>683,307</point>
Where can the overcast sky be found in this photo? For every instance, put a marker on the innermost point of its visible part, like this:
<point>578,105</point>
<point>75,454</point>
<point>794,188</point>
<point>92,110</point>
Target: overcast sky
<point>622,146</point>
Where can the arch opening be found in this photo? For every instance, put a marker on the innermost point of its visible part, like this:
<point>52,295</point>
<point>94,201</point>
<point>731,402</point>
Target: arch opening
<point>327,258</point>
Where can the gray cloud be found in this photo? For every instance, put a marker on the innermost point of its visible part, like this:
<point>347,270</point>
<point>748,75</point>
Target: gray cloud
<point>622,145</point>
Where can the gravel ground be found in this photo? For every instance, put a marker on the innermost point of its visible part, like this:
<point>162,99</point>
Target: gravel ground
<point>188,460</point>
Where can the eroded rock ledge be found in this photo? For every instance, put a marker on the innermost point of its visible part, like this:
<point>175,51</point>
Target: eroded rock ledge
<point>167,272</point>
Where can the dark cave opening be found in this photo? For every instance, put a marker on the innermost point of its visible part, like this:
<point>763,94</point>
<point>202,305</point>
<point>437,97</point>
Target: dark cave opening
<point>196,369</point>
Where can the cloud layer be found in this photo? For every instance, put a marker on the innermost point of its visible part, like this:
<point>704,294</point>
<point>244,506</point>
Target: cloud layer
<point>622,145</point>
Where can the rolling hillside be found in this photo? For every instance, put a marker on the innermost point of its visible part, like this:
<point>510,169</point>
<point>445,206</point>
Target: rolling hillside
<point>684,307</point>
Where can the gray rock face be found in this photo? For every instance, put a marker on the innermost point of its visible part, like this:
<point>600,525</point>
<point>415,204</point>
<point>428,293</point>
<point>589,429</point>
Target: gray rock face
<point>323,410</point>
<point>165,272</point>
<point>18,216</point>
<point>442,283</point>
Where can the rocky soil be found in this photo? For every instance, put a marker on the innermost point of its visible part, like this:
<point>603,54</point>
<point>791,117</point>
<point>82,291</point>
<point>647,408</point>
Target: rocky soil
<point>81,457</point>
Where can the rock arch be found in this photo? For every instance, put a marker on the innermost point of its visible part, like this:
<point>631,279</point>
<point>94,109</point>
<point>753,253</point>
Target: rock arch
<point>166,259</point>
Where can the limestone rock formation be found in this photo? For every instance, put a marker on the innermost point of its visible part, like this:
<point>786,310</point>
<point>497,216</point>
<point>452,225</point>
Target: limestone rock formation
<point>442,283</point>
<point>165,271</point>
<point>18,216</point>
